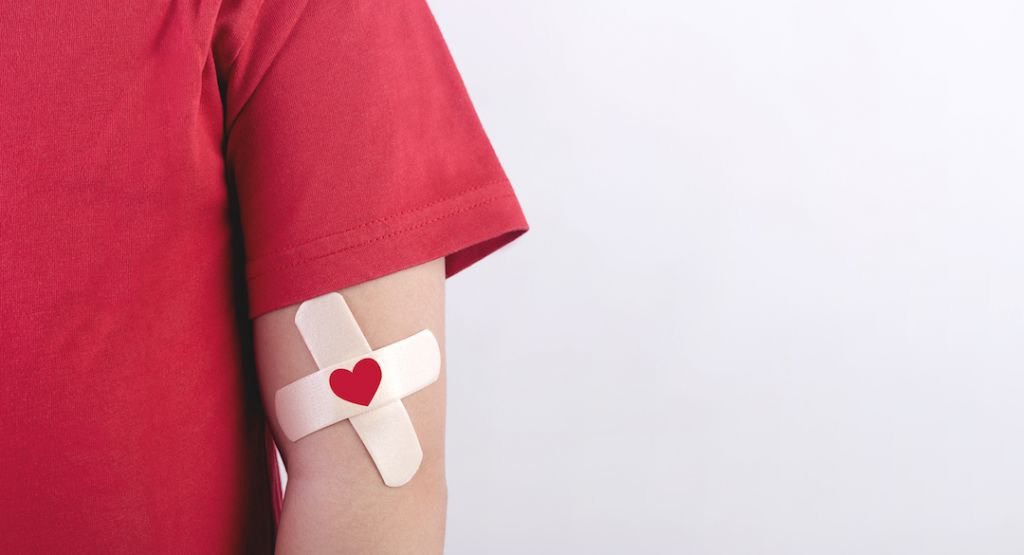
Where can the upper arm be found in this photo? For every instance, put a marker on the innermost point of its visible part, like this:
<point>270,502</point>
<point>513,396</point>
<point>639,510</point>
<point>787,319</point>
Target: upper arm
<point>331,477</point>
<point>358,164</point>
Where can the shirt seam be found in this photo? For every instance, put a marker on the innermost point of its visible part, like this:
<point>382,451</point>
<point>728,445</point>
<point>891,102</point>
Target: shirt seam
<point>385,219</point>
<point>245,39</point>
<point>493,198</point>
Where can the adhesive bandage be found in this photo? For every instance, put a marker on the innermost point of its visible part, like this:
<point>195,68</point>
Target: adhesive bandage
<point>359,384</point>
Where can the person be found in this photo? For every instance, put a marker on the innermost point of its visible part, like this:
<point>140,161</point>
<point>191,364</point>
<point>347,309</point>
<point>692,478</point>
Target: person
<point>175,179</point>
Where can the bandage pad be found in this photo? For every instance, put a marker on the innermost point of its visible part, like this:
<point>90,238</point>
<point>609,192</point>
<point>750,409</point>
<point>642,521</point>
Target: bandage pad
<point>359,384</point>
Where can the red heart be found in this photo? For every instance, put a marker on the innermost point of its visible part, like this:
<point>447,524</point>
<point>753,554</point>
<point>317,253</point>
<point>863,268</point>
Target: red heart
<point>358,385</point>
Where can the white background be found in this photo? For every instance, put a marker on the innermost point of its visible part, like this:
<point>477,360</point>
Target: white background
<point>771,301</point>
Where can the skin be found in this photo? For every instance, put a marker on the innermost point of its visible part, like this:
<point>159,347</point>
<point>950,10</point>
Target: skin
<point>335,501</point>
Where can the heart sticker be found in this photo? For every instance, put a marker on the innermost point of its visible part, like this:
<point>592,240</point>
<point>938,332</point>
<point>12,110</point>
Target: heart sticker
<point>359,384</point>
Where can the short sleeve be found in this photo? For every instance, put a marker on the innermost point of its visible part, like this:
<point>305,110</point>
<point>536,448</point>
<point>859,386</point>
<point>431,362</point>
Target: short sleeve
<point>353,147</point>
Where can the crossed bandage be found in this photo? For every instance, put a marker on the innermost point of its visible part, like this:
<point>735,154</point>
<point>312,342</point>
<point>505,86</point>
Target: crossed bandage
<point>356,383</point>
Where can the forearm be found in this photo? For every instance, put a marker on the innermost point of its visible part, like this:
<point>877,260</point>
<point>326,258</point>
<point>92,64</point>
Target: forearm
<point>335,500</point>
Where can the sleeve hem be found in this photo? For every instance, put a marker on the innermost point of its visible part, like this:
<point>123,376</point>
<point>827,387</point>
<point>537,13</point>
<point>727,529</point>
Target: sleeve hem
<point>463,229</point>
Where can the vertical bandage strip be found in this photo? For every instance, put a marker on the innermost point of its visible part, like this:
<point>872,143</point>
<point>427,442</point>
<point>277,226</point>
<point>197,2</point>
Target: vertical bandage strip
<point>335,340</point>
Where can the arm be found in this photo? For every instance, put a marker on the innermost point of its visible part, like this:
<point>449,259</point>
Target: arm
<point>335,501</point>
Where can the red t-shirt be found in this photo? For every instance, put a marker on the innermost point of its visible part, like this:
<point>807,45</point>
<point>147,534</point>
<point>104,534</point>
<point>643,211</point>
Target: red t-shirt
<point>168,170</point>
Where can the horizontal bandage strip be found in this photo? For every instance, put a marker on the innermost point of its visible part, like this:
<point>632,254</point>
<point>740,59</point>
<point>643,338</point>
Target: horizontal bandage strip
<point>407,366</point>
